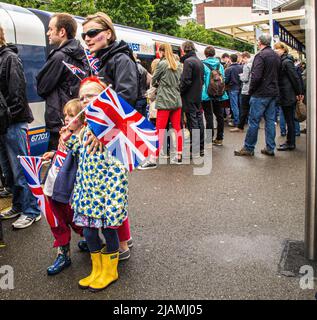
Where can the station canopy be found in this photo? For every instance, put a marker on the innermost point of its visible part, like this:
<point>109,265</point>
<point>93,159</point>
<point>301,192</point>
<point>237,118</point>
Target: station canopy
<point>243,23</point>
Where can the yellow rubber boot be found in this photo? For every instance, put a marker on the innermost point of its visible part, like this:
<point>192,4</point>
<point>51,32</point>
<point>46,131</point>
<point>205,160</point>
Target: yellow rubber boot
<point>109,271</point>
<point>95,272</point>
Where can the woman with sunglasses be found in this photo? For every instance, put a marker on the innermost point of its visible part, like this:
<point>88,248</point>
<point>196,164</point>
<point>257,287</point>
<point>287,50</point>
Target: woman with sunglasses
<point>119,69</point>
<point>118,66</point>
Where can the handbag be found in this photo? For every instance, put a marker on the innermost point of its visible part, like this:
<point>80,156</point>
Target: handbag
<point>300,111</point>
<point>65,180</point>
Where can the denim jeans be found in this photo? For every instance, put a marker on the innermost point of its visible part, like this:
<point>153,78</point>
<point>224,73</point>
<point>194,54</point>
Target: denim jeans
<point>261,107</point>
<point>283,124</point>
<point>13,144</point>
<point>234,103</point>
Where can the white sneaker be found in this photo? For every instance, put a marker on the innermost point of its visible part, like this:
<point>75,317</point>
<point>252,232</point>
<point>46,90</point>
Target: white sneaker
<point>25,221</point>
<point>147,165</point>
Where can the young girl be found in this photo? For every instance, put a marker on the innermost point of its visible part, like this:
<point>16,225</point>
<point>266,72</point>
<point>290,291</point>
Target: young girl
<point>100,199</point>
<point>63,212</point>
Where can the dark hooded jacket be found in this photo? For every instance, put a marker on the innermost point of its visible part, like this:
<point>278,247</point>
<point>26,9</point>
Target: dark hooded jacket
<point>56,84</point>
<point>119,69</point>
<point>289,82</point>
<point>13,84</point>
<point>192,81</point>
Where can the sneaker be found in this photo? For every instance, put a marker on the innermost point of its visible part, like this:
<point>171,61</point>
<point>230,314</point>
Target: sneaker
<point>124,255</point>
<point>9,214</point>
<point>25,221</point>
<point>130,243</point>
<point>147,165</point>
<point>164,155</point>
<point>244,152</point>
<point>303,131</point>
<point>5,193</point>
<point>176,160</point>
<point>286,147</point>
<point>236,130</point>
<point>83,246</point>
<point>217,142</point>
<point>268,152</point>
<point>231,124</point>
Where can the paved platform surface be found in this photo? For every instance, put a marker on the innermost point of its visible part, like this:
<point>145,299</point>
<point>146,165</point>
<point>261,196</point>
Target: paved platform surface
<point>215,236</point>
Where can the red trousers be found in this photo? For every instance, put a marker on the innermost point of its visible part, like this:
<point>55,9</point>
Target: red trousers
<point>124,231</point>
<point>161,123</point>
<point>64,215</point>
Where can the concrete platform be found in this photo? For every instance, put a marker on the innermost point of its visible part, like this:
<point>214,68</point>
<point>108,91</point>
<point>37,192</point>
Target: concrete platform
<point>215,236</point>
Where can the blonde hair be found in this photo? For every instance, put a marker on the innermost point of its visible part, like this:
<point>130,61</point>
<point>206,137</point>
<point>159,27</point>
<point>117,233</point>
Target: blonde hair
<point>169,55</point>
<point>74,106</point>
<point>105,21</point>
<point>281,45</point>
<point>2,38</point>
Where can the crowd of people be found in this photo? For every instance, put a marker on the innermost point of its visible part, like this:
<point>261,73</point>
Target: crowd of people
<point>90,196</point>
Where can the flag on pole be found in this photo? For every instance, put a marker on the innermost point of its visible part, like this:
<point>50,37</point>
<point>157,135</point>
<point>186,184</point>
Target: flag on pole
<point>75,70</point>
<point>94,63</point>
<point>125,132</point>
<point>32,171</point>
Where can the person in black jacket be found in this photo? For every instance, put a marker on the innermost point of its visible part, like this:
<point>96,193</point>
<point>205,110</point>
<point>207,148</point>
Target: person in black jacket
<point>14,142</point>
<point>192,81</point>
<point>55,83</point>
<point>290,91</point>
<point>264,92</point>
<point>118,66</point>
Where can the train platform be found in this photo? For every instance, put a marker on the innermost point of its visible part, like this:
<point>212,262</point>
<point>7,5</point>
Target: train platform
<point>214,236</point>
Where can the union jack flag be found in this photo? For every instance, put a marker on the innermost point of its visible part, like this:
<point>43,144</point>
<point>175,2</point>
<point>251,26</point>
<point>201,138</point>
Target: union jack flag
<point>93,62</point>
<point>75,70</point>
<point>32,171</point>
<point>125,132</point>
<point>59,159</point>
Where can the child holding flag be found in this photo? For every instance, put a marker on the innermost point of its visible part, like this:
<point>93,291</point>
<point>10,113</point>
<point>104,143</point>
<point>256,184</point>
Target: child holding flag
<point>100,199</point>
<point>62,211</point>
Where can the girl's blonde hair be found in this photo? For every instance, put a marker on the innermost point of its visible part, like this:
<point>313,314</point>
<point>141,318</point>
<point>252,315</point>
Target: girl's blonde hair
<point>2,38</point>
<point>74,107</point>
<point>169,55</point>
<point>281,45</point>
<point>105,21</point>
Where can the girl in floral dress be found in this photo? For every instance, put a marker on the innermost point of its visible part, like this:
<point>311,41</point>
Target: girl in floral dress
<point>100,199</point>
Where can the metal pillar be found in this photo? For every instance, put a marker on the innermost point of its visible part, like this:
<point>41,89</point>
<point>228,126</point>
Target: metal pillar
<point>311,170</point>
<point>271,22</point>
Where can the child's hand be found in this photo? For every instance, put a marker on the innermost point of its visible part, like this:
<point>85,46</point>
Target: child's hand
<point>48,155</point>
<point>93,144</point>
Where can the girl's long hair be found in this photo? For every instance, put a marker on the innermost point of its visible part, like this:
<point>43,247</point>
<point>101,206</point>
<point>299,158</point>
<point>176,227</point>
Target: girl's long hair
<point>169,56</point>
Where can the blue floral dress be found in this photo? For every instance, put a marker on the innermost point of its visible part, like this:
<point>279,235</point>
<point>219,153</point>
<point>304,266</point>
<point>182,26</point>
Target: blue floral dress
<point>100,198</point>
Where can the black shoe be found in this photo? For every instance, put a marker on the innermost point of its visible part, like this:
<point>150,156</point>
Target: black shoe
<point>5,193</point>
<point>286,147</point>
<point>268,152</point>
<point>83,246</point>
<point>303,131</point>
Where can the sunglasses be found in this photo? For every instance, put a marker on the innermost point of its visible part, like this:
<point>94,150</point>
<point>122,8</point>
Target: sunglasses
<point>92,33</point>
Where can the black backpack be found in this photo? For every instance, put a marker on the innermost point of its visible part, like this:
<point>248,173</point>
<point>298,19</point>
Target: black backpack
<point>5,115</point>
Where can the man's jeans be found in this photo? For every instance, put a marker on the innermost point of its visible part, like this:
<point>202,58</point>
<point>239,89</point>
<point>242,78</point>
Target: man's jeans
<point>234,103</point>
<point>13,144</point>
<point>261,107</point>
<point>283,124</point>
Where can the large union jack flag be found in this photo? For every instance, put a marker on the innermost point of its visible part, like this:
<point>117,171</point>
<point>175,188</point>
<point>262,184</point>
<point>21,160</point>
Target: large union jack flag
<point>125,132</point>
<point>93,62</point>
<point>32,171</point>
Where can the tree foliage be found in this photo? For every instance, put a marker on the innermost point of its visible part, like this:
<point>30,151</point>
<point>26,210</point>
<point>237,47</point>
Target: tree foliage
<point>197,32</point>
<point>25,3</point>
<point>166,14</point>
